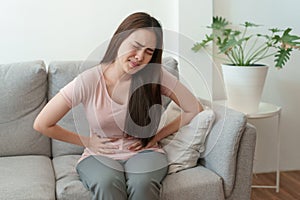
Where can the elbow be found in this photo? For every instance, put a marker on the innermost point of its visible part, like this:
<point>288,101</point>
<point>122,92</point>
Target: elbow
<point>38,126</point>
<point>200,108</point>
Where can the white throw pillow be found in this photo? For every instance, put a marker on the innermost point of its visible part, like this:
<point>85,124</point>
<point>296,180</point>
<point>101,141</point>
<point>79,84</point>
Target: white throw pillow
<point>183,148</point>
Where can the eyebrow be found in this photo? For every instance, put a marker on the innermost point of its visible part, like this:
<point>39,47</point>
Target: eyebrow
<point>150,49</point>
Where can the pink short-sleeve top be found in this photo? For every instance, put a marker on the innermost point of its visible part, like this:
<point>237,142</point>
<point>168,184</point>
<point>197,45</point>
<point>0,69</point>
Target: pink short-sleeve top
<point>106,117</point>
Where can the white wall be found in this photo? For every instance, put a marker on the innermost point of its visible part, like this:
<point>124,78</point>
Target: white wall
<point>282,86</point>
<point>196,68</point>
<point>77,30</point>
<point>68,30</point>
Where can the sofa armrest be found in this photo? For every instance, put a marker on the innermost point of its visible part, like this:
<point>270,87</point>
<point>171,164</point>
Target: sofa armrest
<point>244,169</point>
<point>223,145</point>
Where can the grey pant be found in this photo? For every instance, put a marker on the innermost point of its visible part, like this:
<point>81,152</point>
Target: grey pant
<point>138,178</point>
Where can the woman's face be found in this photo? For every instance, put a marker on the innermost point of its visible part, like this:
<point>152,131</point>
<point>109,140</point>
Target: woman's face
<point>136,50</point>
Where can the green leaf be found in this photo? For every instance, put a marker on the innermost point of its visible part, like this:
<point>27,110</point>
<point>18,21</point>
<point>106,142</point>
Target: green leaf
<point>197,46</point>
<point>230,43</point>
<point>219,23</point>
<point>282,56</point>
<point>249,24</point>
<point>275,30</point>
<point>203,43</point>
<point>290,40</point>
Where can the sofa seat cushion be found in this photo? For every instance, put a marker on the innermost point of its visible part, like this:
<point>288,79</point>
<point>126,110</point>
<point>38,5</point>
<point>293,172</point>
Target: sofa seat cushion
<point>68,184</point>
<point>193,184</point>
<point>26,177</point>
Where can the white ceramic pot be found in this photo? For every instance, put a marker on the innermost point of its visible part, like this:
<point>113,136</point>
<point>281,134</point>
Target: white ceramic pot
<point>244,86</point>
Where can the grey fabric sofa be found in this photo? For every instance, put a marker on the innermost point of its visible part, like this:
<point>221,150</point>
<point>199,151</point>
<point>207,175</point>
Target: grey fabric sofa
<point>34,167</point>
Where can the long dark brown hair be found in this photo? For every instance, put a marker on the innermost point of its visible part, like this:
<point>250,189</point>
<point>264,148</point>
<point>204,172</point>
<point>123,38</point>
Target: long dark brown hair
<point>144,91</point>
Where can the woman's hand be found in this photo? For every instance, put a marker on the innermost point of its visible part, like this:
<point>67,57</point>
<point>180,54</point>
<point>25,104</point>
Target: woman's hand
<point>151,143</point>
<point>135,146</point>
<point>101,145</point>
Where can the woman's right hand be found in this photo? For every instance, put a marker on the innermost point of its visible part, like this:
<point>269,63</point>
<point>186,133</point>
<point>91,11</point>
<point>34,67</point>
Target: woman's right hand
<point>101,145</point>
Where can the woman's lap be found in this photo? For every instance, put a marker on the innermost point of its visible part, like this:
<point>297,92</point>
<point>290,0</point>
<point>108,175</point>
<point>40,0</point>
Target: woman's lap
<point>143,168</point>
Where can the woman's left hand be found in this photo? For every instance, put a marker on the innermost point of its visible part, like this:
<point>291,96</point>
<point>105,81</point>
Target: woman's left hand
<point>136,146</point>
<point>151,143</point>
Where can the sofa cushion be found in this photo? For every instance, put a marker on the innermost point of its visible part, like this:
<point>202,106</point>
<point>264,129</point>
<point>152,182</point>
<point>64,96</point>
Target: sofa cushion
<point>222,144</point>
<point>193,184</point>
<point>186,184</point>
<point>23,89</point>
<point>184,147</point>
<point>68,185</point>
<point>26,177</point>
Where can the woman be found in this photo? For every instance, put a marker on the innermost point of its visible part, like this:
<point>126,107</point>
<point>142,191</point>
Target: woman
<point>122,159</point>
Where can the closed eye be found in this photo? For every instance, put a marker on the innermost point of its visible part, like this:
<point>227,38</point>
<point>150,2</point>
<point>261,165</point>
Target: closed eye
<point>139,45</point>
<point>149,52</point>
<point>135,47</point>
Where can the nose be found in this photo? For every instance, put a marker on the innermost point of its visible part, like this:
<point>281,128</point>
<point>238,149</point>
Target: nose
<point>139,55</point>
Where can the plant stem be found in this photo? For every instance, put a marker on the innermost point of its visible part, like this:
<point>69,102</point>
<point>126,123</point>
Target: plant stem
<point>230,58</point>
<point>234,55</point>
<point>241,55</point>
<point>251,48</point>
<point>262,57</point>
<point>258,51</point>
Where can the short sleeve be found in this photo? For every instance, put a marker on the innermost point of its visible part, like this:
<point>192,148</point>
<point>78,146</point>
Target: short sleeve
<point>73,93</point>
<point>168,82</point>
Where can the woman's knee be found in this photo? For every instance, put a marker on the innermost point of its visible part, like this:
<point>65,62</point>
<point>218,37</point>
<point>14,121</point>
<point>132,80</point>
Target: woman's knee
<point>94,173</point>
<point>143,186</point>
<point>142,182</point>
<point>107,182</point>
<point>147,162</point>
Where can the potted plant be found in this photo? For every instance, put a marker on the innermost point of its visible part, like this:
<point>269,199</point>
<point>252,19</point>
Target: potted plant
<point>243,52</point>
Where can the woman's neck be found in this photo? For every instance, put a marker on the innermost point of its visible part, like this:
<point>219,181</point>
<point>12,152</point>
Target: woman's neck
<point>113,74</point>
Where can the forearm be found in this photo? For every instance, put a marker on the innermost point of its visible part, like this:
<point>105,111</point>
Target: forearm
<point>46,122</point>
<point>190,107</point>
<point>59,133</point>
<point>174,125</point>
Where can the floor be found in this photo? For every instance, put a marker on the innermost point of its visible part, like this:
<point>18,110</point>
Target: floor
<point>289,186</point>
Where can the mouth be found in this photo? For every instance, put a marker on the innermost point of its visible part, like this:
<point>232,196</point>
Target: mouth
<point>133,64</point>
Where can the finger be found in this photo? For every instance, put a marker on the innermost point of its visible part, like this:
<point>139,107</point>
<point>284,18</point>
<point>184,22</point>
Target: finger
<point>128,137</point>
<point>138,147</point>
<point>109,146</point>
<point>106,151</point>
<point>104,140</point>
<point>134,145</point>
<point>149,145</point>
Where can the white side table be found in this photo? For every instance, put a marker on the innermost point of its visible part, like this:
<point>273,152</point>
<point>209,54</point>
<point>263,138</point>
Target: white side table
<point>269,110</point>
<point>266,110</point>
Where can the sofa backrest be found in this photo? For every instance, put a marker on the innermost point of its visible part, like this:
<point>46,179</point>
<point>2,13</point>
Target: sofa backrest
<point>23,89</point>
<point>61,73</point>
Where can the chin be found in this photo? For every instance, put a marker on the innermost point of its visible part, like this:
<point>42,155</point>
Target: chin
<point>133,70</point>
